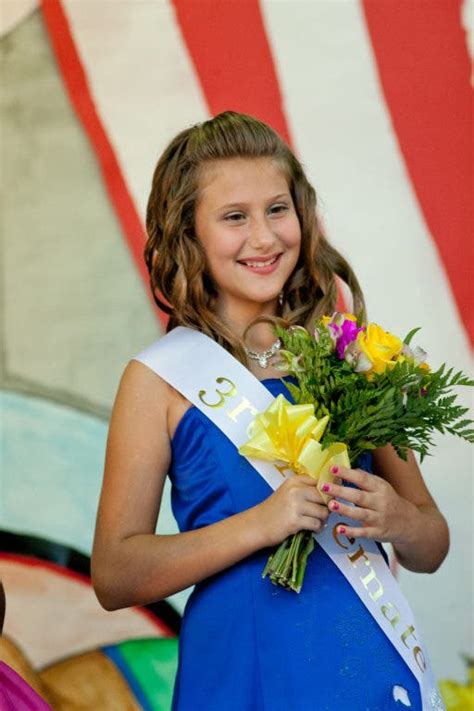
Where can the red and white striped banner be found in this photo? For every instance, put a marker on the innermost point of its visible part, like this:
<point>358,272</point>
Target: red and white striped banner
<point>374,97</point>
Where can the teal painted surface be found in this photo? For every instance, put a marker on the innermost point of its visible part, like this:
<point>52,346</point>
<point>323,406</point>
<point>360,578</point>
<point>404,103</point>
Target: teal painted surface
<point>52,469</point>
<point>52,459</point>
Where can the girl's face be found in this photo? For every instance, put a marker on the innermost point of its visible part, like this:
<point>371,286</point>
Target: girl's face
<point>246,221</point>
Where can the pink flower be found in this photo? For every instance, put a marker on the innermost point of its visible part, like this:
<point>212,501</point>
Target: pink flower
<point>348,331</point>
<point>343,329</point>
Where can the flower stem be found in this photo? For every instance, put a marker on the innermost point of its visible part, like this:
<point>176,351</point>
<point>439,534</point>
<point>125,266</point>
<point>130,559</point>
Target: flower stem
<point>303,560</point>
<point>287,565</point>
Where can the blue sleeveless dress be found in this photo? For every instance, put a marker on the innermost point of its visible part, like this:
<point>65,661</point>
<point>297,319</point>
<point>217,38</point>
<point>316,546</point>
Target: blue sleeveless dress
<point>247,645</point>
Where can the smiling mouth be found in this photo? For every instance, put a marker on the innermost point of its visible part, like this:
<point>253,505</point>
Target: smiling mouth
<point>259,264</point>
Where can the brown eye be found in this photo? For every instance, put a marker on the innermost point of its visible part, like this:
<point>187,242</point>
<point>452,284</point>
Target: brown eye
<point>234,216</point>
<point>276,209</point>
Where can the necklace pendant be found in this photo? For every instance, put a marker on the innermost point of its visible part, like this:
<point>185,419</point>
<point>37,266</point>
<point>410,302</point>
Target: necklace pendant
<point>264,358</point>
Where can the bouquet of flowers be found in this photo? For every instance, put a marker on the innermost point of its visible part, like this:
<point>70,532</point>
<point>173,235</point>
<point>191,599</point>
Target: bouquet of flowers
<point>358,388</point>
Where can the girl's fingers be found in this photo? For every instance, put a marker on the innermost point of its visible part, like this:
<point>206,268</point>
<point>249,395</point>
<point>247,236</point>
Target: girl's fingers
<point>313,494</point>
<point>354,512</point>
<point>304,479</point>
<point>362,479</point>
<point>358,497</point>
<point>319,512</point>
<point>358,531</point>
<point>309,523</point>
<point>310,488</point>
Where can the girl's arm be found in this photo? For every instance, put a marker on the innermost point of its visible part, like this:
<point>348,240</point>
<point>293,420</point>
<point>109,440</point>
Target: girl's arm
<point>394,505</point>
<point>131,565</point>
<point>422,542</point>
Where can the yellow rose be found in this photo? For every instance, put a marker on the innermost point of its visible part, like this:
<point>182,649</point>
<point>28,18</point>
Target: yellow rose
<point>380,347</point>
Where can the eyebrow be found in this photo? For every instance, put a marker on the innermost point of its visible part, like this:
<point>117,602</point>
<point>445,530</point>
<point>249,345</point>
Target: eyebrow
<point>241,204</point>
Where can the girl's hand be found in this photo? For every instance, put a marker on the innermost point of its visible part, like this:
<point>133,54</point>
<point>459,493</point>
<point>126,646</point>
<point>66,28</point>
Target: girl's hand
<point>381,511</point>
<point>296,505</point>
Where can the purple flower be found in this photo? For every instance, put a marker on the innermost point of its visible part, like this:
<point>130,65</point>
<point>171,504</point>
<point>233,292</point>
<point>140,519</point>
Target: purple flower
<point>348,334</point>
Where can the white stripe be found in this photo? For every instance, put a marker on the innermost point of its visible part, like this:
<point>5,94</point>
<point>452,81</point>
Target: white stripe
<point>343,133</point>
<point>141,78</point>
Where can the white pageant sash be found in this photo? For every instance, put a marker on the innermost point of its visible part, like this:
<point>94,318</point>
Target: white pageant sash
<point>230,396</point>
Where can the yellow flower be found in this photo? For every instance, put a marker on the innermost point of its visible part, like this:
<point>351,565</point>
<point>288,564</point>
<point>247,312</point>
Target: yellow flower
<point>381,347</point>
<point>458,697</point>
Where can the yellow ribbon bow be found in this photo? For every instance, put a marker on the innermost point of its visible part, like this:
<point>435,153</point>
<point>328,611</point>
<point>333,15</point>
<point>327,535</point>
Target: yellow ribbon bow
<point>291,434</point>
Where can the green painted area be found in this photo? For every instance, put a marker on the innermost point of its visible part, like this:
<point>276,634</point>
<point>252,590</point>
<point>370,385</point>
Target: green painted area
<point>153,663</point>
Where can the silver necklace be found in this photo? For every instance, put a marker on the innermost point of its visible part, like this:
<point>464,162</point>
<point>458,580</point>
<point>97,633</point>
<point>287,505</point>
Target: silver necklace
<point>265,357</point>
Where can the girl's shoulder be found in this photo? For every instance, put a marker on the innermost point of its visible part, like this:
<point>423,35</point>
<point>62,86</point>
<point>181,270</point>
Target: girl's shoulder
<point>140,376</point>
<point>141,388</point>
<point>147,387</point>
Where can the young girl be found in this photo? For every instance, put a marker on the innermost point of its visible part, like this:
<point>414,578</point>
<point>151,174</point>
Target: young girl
<point>233,236</point>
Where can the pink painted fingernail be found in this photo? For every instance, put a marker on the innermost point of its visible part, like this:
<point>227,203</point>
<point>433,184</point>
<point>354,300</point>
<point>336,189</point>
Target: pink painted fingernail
<point>334,470</point>
<point>325,487</point>
<point>341,529</point>
<point>334,505</point>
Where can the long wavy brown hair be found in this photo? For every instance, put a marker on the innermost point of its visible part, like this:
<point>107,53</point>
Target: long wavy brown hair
<point>180,279</point>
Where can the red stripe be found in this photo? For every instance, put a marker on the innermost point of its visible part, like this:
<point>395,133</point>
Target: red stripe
<point>79,578</point>
<point>46,565</point>
<point>80,95</point>
<point>424,70</point>
<point>230,50</point>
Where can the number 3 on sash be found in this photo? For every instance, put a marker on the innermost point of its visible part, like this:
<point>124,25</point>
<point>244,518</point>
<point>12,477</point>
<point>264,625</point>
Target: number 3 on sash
<point>222,395</point>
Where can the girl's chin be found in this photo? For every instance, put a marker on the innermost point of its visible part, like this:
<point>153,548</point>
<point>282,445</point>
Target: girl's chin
<point>246,295</point>
<point>259,299</point>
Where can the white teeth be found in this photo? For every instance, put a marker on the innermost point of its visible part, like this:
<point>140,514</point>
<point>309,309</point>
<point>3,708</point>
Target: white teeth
<point>261,264</point>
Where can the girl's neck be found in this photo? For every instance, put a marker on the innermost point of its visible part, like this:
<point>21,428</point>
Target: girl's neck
<point>261,336</point>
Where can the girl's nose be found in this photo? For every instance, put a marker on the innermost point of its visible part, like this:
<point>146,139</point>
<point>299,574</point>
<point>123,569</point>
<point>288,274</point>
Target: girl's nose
<point>261,234</point>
